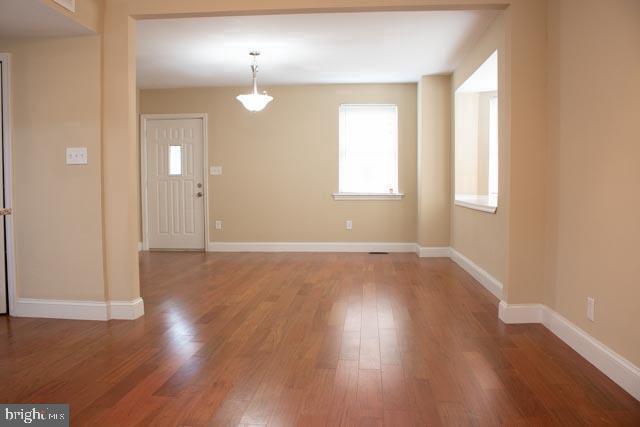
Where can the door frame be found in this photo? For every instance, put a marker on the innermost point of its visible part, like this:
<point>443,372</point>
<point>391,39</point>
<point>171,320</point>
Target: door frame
<point>5,59</point>
<point>144,118</point>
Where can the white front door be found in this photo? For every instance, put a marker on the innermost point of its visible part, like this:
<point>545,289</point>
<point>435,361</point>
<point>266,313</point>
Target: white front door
<point>175,183</point>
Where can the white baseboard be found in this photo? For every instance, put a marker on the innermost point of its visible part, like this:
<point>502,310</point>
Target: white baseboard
<point>492,284</point>
<point>620,370</point>
<point>60,309</point>
<point>140,246</point>
<point>78,310</point>
<point>433,251</point>
<point>521,313</point>
<point>126,310</point>
<point>310,247</point>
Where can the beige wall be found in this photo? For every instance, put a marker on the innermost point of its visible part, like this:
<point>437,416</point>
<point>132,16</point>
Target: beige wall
<point>594,106</point>
<point>511,244</point>
<point>465,143</point>
<point>484,100</point>
<point>138,153</point>
<point>280,166</point>
<point>525,116</point>
<point>434,161</point>
<point>88,12</point>
<point>58,228</point>
<point>481,236</point>
<point>119,147</point>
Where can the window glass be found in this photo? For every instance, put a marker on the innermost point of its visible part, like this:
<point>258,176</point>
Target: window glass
<point>368,149</point>
<point>175,160</point>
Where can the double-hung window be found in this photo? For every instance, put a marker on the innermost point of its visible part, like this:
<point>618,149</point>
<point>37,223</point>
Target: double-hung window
<point>368,140</point>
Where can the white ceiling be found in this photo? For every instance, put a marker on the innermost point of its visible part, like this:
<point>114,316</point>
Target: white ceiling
<point>33,18</point>
<point>374,47</point>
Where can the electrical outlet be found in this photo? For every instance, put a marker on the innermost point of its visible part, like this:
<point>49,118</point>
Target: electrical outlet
<point>348,224</point>
<point>591,308</point>
<point>215,170</point>
<point>218,224</point>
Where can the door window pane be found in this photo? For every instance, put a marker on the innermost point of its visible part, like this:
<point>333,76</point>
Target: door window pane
<point>175,160</point>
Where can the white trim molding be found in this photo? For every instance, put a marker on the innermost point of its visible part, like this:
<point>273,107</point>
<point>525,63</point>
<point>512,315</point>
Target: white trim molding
<point>433,251</point>
<point>140,246</point>
<point>367,196</point>
<point>79,310</point>
<point>521,313</point>
<point>487,204</point>
<point>70,5</point>
<point>310,247</point>
<point>7,149</point>
<point>620,370</point>
<point>492,284</point>
<point>126,310</point>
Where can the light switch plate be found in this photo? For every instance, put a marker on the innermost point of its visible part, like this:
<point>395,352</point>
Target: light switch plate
<point>77,155</point>
<point>215,170</point>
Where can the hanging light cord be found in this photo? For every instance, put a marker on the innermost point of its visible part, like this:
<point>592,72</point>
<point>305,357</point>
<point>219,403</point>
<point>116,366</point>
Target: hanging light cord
<point>254,70</point>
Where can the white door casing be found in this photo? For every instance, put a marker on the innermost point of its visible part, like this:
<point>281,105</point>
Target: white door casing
<point>3,270</point>
<point>7,266</point>
<point>174,187</point>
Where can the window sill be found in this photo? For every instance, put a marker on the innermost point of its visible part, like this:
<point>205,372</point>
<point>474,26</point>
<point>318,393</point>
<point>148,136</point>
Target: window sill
<point>487,204</point>
<point>368,196</point>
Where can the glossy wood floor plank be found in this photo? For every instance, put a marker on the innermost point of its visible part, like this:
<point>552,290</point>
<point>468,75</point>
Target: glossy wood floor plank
<point>307,339</point>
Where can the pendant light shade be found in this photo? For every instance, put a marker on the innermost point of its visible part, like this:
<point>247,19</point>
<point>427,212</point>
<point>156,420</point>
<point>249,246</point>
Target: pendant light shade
<point>255,101</point>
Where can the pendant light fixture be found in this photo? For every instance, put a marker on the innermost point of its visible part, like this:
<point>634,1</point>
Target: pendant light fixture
<point>255,101</point>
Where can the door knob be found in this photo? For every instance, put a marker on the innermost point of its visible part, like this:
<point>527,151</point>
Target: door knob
<point>199,194</point>
<point>199,185</point>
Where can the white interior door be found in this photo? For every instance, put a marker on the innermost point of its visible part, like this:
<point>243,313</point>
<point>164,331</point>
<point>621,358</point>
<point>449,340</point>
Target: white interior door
<point>3,263</point>
<point>175,183</point>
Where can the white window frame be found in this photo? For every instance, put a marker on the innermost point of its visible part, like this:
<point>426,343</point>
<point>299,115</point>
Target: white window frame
<point>494,144</point>
<point>340,195</point>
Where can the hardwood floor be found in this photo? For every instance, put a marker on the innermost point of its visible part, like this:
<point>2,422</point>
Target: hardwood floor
<point>307,339</point>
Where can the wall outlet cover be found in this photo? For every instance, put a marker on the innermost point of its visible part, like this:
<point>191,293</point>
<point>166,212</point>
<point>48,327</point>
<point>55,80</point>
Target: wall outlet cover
<point>77,156</point>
